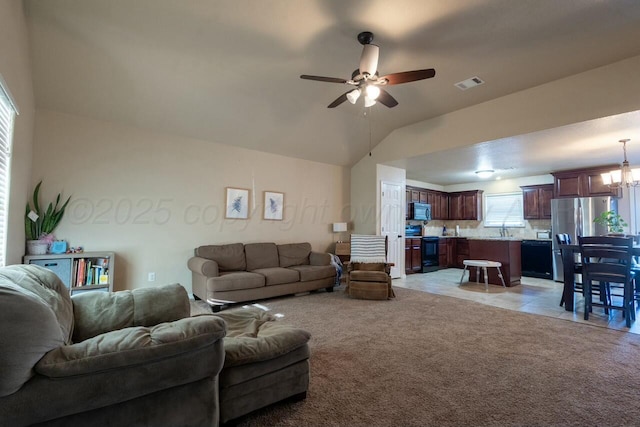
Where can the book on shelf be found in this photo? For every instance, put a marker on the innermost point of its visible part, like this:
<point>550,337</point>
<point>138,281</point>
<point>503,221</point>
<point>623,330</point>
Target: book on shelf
<point>90,271</point>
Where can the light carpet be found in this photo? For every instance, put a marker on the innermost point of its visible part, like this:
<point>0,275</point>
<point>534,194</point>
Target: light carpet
<point>430,360</point>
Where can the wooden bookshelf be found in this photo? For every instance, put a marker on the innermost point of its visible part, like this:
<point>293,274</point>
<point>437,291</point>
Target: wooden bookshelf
<point>80,272</point>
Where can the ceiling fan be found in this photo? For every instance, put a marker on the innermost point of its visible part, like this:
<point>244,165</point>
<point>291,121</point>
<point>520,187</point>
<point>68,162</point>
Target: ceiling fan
<point>366,79</point>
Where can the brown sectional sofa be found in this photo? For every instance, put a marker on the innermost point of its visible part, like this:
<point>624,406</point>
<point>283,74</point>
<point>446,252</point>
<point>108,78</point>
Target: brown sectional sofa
<point>237,272</point>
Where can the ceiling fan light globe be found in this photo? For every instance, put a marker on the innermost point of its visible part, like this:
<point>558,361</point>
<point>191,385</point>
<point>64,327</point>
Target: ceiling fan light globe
<point>368,102</point>
<point>373,92</point>
<point>353,96</point>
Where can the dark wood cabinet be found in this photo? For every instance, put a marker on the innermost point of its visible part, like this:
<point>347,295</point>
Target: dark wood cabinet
<point>582,183</point>
<point>537,201</point>
<point>466,205</point>
<point>461,252</point>
<point>412,255</point>
<point>448,251</point>
<point>506,252</point>
<point>462,205</point>
<point>439,202</point>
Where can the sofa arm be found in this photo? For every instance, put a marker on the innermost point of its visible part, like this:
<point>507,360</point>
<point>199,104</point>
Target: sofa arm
<point>132,346</point>
<point>98,312</point>
<point>319,258</point>
<point>203,266</point>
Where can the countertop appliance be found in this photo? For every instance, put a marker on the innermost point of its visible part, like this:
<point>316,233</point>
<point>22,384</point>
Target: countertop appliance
<point>574,216</point>
<point>536,259</point>
<point>420,211</point>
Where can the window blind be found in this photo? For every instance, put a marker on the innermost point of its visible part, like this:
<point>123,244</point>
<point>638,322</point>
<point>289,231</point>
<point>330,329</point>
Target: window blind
<point>504,210</point>
<point>7,116</point>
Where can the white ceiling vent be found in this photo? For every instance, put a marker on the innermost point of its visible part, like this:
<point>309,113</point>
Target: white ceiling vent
<point>469,83</point>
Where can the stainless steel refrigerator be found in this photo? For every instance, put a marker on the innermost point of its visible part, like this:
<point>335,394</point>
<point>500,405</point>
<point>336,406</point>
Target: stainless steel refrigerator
<point>575,218</point>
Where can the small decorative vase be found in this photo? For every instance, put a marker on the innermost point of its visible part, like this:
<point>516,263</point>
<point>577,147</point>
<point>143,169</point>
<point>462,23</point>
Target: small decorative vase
<point>37,247</point>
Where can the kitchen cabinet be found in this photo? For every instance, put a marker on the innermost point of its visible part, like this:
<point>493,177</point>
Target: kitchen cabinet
<point>448,251</point>
<point>466,205</point>
<point>463,205</point>
<point>461,252</point>
<point>439,202</point>
<point>505,251</point>
<point>414,195</point>
<point>537,201</point>
<point>412,255</point>
<point>582,183</point>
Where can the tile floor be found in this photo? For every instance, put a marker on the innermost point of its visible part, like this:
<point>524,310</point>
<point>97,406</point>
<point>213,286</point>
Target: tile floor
<point>537,296</point>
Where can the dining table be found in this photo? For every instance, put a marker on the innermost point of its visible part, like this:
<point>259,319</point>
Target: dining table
<point>568,263</point>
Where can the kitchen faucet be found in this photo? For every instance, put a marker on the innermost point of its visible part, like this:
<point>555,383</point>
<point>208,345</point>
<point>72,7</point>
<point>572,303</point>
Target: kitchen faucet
<point>503,231</point>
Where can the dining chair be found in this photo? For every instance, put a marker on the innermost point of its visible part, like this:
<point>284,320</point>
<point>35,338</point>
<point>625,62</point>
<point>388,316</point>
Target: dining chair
<point>607,260</point>
<point>565,239</point>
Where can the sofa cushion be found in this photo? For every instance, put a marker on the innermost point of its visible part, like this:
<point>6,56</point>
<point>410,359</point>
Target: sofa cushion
<point>229,257</point>
<point>231,281</point>
<point>99,312</point>
<point>253,335</point>
<point>131,346</point>
<point>314,272</point>
<point>278,275</point>
<point>294,254</point>
<point>261,255</point>
<point>369,276</point>
<point>36,316</point>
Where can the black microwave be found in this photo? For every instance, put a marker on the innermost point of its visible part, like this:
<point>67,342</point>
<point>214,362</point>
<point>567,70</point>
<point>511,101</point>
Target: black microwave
<point>420,211</point>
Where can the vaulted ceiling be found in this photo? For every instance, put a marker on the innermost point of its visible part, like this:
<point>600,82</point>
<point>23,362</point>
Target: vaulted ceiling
<point>228,71</point>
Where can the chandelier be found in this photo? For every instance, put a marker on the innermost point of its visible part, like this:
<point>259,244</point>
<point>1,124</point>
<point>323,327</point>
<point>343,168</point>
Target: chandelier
<point>623,176</point>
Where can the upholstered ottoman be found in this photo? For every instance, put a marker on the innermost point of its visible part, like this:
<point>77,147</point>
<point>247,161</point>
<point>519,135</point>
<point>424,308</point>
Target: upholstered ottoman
<point>266,361</point>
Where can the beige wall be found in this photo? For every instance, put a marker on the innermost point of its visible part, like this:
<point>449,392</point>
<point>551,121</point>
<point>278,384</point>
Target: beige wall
<point>15,68</point>
<point>153,197</point>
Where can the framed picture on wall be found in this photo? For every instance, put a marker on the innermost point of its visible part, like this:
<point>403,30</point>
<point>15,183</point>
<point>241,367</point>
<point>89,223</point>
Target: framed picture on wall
<point>237,204</point>
<point>273,205</point>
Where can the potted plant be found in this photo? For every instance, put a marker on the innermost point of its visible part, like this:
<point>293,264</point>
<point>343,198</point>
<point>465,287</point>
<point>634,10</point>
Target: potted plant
<point>39,223</point>
<point>614,222</point>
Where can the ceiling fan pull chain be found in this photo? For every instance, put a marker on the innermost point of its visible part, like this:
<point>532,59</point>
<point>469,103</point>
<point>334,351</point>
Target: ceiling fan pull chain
<point>369,115</point>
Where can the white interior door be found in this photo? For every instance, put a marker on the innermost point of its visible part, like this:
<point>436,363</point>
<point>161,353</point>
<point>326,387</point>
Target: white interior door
<point>392,224</point>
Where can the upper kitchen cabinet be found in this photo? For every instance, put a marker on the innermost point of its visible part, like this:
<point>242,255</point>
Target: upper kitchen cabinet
<point>439,202</point>
<point>466,205</point>
<point>537,201</point>
<point>582,183</point>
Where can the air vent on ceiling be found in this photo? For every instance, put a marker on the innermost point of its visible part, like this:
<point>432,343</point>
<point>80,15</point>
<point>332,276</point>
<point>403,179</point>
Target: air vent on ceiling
<point>469,83</point>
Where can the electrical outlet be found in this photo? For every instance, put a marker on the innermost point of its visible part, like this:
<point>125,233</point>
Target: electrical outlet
<point>152,277</point>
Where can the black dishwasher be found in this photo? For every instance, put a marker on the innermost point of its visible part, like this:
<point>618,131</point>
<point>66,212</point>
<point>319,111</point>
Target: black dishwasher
<point>536,259</point>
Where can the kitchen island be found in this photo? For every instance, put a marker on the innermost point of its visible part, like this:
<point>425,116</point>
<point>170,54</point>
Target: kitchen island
<point>504,250</point>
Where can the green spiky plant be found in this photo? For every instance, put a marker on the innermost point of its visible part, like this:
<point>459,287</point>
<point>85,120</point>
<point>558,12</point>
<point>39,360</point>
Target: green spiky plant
<point>47,220</point>
<point>614,222</point>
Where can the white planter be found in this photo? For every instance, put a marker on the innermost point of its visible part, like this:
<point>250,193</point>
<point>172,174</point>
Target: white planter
<point>37,247</point>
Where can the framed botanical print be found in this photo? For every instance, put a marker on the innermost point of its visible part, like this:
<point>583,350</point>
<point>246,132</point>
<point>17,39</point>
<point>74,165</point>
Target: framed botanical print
<point>237,203</point>
<point>273,205</point>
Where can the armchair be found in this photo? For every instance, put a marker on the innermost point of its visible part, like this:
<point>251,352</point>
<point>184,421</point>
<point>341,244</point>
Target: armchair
<point>368,272</point>
<point>131,358</point>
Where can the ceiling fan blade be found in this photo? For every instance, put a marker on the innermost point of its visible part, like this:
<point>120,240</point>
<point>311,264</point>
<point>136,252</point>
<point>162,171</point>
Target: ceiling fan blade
<point>386,99</point>
<point>323,79</point>
<point>409,76</point>
<point>369,59</point>
<point>339,100</point>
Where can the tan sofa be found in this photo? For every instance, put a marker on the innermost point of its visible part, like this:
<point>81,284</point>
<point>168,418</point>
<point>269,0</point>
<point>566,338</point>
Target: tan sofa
<point>225,274</point>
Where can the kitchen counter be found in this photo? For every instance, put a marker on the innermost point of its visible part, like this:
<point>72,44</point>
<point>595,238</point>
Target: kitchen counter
<point>505,250</point>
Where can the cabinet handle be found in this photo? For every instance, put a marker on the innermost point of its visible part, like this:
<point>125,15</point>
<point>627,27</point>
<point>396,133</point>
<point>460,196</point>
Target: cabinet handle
<point>51,264</point>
